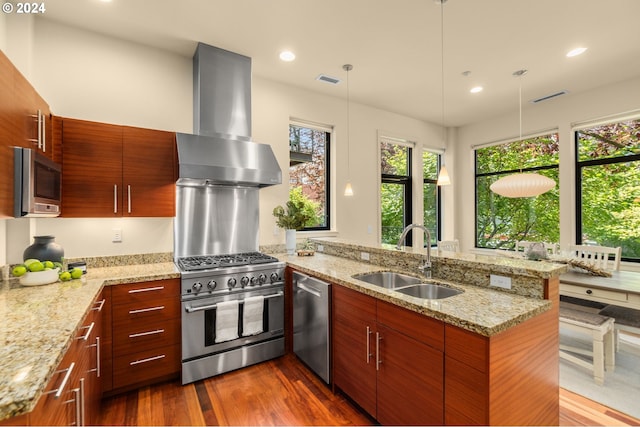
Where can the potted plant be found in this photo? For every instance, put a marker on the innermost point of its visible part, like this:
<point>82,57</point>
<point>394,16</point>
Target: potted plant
<point>292,218</point>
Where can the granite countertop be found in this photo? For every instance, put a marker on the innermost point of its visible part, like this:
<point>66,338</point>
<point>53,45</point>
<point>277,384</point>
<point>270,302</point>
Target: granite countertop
<point>478,309</point>
<point>38,324</point>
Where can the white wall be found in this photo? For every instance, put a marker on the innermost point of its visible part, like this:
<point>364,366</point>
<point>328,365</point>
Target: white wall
<point>558,114</point>
<point>88,76</point>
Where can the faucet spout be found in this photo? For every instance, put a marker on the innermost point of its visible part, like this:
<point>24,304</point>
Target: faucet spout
<point>426,267</point>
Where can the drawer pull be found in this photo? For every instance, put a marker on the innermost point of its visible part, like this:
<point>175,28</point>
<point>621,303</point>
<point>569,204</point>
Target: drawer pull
<point>145,310</point>
<point>63,384</point>
<point>97,368</point>
<point>155,288</point>
<point>88,334</point>
<point>101,304</point>
<point>149,359</point>
<point>144,334</point>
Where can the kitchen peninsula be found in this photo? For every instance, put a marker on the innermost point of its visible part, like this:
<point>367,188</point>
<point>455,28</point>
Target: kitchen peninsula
<point>487,356</point>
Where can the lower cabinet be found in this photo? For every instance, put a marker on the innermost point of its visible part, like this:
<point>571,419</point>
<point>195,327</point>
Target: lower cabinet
<point>388,359</point>
<point>145,335</point>
<point>73,395</point>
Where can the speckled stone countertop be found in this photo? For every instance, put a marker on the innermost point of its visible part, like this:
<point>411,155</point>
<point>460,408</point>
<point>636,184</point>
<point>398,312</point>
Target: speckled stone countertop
<point>478,309</point>
<point>38,324</point>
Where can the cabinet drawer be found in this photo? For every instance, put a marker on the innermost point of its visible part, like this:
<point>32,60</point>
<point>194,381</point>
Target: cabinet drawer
<point>145,312</point>
<point>146,365</point>
<point>134,338</point>
<point>145,292</point>
<point>593,293</point>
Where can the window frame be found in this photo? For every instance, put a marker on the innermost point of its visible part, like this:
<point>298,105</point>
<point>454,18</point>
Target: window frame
<point>328,130</point>
<point>501,173</point>
<point>580,164</point>
<point>426,180</point>
<point>404,180</point>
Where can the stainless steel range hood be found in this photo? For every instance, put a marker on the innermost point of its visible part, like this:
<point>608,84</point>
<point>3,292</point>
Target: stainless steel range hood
<point>218,160</point>
<point>221,151</point>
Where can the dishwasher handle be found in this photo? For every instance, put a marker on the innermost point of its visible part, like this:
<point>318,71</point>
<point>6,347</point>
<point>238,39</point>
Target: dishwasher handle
<point>305,288</point>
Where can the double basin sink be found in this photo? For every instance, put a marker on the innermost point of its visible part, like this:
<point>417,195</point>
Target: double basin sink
<point>407,285</point>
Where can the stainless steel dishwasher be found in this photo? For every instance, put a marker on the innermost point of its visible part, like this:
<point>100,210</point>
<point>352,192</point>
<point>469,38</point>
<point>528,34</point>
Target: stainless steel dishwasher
<point>311,326</point>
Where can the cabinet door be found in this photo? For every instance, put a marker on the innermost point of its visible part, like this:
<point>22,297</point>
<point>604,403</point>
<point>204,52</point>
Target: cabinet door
<point>91,169</point>
<point>354,364</point>
<point>8,132</point>
<point>410,380</point>
<point>149,172</point>
<point>92,388</point>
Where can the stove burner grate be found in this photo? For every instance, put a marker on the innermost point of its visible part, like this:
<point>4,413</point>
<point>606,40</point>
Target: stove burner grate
<point>207,262</point>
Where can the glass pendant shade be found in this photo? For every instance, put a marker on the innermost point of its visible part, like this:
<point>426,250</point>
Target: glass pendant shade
<point>443,177</point>
<point>522,185</point>
<point>348,191</point>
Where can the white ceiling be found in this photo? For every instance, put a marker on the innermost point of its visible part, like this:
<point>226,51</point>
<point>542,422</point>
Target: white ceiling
<point>395,45</point>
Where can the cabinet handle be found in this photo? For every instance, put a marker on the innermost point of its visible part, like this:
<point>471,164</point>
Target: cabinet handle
<point>145,310</point>
<point>144,334</point>
<point>86,336</point>
<point>44,133</point>
<point>115,198</point>
<point>155,288</point>
<point>63,384</point>
<point>368,344</point>
<point>128,199</point>
<point>149,359</point>
<point>378,358</point>
<point>80,415</point>
<point>101,304</point>
<point>97,368</point>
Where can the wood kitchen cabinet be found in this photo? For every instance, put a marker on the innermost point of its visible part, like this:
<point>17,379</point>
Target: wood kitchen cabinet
<point>388,359</point>
<point>25,121</point>
<point>115,171</point>
<point>145,333</point>
<point>73,395</point>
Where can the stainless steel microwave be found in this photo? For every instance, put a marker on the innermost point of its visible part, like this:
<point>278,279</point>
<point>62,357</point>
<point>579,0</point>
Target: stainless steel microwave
<point>37,184</point>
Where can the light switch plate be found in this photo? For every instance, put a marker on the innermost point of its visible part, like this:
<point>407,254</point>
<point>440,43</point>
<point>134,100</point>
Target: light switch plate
<point>364,256</point>
<point>500,281</point>
<point>116,235</point>
<point>320,248</point>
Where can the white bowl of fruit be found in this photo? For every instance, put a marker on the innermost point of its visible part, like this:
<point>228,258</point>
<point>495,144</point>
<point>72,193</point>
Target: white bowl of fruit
<point>33,272</point>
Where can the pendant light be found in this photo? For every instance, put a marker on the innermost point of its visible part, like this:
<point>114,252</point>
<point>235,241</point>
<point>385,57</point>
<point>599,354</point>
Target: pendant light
<point>348,190</point>
<point>443,175</point>
<point>522,184</point>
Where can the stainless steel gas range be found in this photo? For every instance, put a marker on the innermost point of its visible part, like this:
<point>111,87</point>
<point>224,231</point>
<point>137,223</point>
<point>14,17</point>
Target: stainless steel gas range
<point>211,282</point>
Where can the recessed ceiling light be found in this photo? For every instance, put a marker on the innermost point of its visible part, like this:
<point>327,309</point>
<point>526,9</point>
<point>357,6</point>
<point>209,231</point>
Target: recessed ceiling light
<point>575,52</point>
<point>476,89</point>
<point>287,56</point>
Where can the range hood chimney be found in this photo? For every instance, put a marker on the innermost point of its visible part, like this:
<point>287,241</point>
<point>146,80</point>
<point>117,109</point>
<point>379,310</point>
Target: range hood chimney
<point>221,151</point>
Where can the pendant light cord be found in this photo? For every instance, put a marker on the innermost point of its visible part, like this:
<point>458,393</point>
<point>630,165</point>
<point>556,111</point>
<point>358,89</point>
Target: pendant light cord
<point>347,68</point>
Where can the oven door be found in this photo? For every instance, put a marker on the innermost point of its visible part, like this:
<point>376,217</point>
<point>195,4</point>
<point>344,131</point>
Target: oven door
<point>199,317</point>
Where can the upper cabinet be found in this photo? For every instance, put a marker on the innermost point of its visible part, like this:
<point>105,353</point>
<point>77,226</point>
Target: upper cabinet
<point>115,171</point>
<point>25,121</point>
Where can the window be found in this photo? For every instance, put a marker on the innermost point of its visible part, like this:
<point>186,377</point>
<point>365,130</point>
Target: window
<point>431,194</point>
<point>502,221</point>
<point>608,187</point>
<point>309,162</point>
<point>395,191</point>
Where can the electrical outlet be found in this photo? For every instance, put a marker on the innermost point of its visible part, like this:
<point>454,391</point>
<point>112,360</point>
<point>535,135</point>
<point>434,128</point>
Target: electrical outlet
<point>320,248</point>
<point>116,235</point>
<point>500,281</point>
<point>364,256</point>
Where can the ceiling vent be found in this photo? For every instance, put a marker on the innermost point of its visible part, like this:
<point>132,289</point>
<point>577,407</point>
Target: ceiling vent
<point>550,96</point>
<point>328,79</point>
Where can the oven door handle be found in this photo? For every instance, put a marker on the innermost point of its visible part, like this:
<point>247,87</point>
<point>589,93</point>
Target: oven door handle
<point>190,309</point>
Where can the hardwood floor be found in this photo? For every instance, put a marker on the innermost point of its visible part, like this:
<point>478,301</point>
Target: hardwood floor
<point>281,392</point>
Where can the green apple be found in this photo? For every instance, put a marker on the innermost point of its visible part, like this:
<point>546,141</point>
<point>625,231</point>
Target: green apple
<point>65,276</point>
<point>19,270</point>
<point>35,266</point>
<point>76,273</point>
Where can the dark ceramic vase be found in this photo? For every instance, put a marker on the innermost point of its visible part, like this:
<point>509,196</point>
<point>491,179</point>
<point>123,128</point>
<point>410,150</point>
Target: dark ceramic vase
<point>44,248</point>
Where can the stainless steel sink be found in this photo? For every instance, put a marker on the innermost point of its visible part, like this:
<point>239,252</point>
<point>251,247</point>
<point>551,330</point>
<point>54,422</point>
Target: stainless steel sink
<point>429,291</point>
<point>388,279</point>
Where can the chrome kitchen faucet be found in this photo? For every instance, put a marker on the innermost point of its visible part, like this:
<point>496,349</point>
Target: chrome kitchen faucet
<point>425,268</point>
